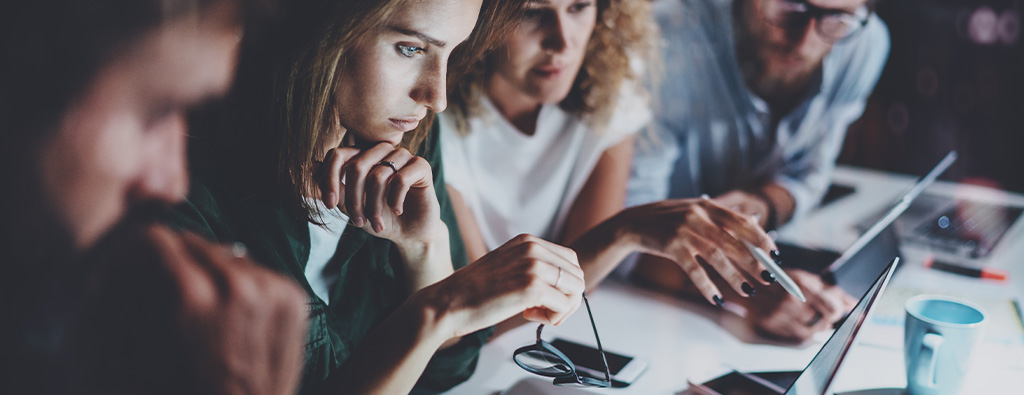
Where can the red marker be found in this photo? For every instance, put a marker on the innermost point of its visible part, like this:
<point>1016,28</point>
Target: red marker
<point>986,273</point>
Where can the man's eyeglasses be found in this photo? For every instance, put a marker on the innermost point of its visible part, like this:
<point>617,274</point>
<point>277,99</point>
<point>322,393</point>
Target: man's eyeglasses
<point>832,25</point>
<point>544,359</point>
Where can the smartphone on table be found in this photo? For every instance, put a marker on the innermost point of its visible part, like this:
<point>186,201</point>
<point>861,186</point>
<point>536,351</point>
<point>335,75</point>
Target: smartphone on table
<point>624,369</point>
<point>739,383</point>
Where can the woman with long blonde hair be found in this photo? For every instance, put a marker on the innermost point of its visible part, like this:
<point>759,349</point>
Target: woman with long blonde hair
<point>324,163</point>
<point>540,138</point>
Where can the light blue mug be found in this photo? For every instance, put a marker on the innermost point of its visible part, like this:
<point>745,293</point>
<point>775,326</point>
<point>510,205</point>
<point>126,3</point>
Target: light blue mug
<point>938,339</point>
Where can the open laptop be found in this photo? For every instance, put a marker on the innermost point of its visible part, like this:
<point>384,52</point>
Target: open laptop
<point>817,378</point>
<point>963,230</point>
<point>958,230</point>
<point>855,269</point>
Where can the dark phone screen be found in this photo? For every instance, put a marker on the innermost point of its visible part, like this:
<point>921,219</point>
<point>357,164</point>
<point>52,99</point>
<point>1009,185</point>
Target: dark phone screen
<point>814,261</point>
<point>590,358</point>
<point>736,383</point>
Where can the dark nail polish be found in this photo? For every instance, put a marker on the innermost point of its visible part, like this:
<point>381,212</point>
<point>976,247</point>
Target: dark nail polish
<point>768,277</point>
<point>776,256</point>
<point>748,289</point>
<point>718,300</point>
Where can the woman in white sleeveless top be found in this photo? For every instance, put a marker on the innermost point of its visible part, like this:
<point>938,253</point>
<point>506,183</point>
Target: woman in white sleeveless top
<point>540,137</point>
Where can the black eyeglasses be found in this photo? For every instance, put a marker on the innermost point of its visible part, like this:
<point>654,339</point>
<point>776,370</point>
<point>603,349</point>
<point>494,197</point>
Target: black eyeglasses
<point>832,25</point>
<point>546,360</point>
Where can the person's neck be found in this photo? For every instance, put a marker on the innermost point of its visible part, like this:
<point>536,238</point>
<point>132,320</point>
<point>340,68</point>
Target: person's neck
<point>513,104</point>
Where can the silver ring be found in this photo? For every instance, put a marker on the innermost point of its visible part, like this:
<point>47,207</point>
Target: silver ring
<point>388,164</point>
<point>559,278</point>
<point>239,250</point>
<point>815,319</point>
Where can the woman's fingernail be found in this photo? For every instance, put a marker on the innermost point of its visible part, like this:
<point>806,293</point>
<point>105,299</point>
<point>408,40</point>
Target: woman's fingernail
<point>379,227</point>
<point>748,289</point>
<point>768,277</point>
<point>718,300</point>
<point>776,256</point>
<point>359,222</point>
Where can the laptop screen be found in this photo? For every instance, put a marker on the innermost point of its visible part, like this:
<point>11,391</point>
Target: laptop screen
<point>872,250</point>
<point>868,262</point>
<point>821,372</point>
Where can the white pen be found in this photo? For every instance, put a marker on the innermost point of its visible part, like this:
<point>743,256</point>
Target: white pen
<point>787,283</point>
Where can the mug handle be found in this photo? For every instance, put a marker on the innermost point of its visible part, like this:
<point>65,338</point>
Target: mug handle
<point>929,352</point>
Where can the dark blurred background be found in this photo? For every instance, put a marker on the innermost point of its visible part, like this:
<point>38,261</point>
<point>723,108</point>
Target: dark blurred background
<point>954,80</point>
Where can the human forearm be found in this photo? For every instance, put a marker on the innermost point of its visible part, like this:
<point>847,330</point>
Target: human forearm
<point>664,275</point>
<point>427,262</point>
<point>779,201</point>
<point>602,248</point>
<point>771,204</point>
<point>392,357</point>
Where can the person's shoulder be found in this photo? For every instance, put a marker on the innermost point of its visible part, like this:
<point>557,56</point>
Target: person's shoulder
<point>874,40</point>
<point>203,210</point>
<point>632,110</point>
<point>857,64</point>
<point>433,151</point>
<point>869,49</point>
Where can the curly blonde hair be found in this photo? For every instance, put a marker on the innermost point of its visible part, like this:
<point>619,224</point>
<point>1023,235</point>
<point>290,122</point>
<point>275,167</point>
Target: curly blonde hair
<point>624,34</point>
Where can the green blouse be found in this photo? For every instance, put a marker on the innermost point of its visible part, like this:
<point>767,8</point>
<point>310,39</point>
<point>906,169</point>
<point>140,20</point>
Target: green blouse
<point>369,287</point>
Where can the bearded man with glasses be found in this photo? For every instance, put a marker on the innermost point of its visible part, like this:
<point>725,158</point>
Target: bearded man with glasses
<point>753,107</point>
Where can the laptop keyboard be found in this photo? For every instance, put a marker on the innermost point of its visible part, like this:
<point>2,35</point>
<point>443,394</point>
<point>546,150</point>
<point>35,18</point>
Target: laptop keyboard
<point>967,229</point>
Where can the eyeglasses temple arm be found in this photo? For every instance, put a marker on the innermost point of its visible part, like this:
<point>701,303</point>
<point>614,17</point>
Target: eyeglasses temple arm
<point>607,371</point>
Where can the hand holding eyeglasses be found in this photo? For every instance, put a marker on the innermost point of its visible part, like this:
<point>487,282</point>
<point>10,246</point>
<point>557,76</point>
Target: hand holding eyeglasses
<point>545,359</point>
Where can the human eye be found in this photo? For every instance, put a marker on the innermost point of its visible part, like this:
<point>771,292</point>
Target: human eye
<point>158,113</point>
<point>409,50</point>
<point>532,14</point>
<point>579,6</point>
<point>794,6</point>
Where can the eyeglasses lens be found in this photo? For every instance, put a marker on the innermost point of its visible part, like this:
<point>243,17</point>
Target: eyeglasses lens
<point>784,13</point>
<point>836,26</point>
<point>543,362</point>
<point>790,14</point>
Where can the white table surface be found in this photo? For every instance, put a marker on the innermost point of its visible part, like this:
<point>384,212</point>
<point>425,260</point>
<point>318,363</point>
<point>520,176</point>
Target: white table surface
<point>685,340</point>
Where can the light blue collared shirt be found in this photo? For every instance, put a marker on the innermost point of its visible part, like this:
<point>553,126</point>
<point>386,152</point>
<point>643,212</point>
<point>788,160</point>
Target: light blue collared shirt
<point>711,133</point>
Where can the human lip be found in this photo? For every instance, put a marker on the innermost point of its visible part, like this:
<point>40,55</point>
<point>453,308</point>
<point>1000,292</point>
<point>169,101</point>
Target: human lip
<point>549,71</point>
<point>405,124</point>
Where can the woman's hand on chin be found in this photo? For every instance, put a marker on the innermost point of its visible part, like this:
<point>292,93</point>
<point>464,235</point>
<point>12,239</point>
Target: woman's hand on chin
<point>384,190</point>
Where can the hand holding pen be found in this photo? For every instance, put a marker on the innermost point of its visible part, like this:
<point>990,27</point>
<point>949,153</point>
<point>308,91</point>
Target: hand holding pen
<point>777,313</point>
<point>702,238</point>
